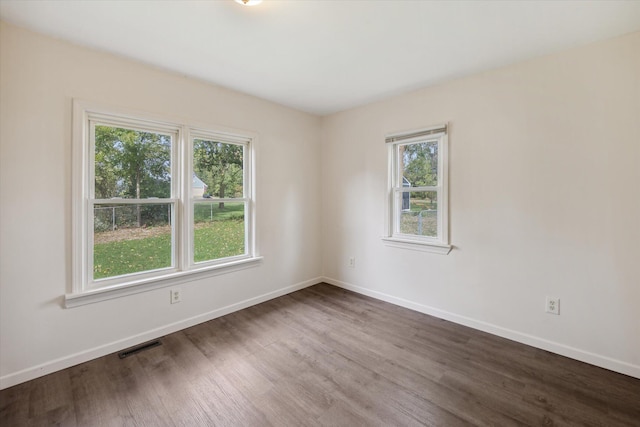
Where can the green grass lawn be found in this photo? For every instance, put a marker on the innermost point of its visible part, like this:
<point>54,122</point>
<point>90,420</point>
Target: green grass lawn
<point>131,256</point>
<point>218,239</point>
<point>213,240</point>
<point>422,204</point>
<point>421,218</point>
<point>426,225</point>
<point>210,211</point>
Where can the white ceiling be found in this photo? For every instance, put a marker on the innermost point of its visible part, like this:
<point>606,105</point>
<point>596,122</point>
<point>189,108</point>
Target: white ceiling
<point>325,56</point>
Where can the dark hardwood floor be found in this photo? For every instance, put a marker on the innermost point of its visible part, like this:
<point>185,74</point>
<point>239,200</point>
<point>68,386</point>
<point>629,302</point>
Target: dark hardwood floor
<point>326,356</point>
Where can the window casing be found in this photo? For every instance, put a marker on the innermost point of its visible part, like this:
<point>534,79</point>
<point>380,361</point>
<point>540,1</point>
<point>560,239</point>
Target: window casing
<point>417,201</point>
<point>142,217</point>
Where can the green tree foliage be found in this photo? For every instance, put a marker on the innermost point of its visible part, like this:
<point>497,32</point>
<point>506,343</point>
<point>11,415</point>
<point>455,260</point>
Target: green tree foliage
<point>131,164</point>
<point>220,166</point>
<point>420,166</point>
<point>106,167</point>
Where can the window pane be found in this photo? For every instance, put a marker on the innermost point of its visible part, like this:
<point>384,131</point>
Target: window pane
<point>219,230</point>
<point>418,211</point>
<point>418,164</point>
<point>131,238</point>
<point>131,164</point>
<point>218,169</point>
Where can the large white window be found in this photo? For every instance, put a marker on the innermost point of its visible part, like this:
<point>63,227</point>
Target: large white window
<point>156,201</point>
<point>418,190</point>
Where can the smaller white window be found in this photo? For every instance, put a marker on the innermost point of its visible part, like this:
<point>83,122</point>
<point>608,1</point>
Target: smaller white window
<point>418,211</point>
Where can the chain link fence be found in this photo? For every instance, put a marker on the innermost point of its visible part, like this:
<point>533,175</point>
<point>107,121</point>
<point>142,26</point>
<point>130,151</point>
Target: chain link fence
<point>112,217</point>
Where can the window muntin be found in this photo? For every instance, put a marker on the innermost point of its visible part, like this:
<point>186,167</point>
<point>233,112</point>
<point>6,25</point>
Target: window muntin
<point>134,217</point>
<point>418,210</point>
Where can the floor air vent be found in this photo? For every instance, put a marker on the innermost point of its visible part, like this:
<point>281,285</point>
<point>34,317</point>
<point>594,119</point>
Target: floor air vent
<point>137,349</point>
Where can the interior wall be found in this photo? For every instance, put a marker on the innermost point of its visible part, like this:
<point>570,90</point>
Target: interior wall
<point>39,77</point>
<point>544,201</point>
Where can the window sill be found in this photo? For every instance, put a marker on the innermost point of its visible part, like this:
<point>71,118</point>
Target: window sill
<point>415,245</point>
<point>138,286</point>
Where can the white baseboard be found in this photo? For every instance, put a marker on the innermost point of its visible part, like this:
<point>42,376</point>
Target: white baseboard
<point>103,350</point>
<point>554,347</point>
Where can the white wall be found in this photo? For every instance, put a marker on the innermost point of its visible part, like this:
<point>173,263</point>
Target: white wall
<point>39,77</point>
<point>544,198</point>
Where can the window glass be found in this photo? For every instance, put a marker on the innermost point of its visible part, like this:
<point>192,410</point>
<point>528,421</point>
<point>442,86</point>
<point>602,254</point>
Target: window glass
<point>219,232</point>
<point>419,164</point>
<point>418,213</point>
<point>155,201</point>
<point>131,238</point>
<point>131,163</point>
<point>418,199</point>
<point>220,166</point>
<point>219,228</point>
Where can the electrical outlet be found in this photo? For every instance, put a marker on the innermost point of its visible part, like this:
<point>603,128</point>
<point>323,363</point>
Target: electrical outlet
<point>553,305</point>
<point>352,262</point>
<point>176,295</point>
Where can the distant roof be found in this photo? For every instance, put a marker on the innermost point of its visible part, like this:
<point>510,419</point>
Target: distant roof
<point>198,183</point>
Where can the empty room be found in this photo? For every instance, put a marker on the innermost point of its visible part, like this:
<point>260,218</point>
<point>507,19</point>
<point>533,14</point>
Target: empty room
<point>337,213</point>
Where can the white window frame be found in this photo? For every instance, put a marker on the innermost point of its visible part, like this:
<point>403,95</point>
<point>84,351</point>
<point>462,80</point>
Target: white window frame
<point>246,191</point>
<point>84,289</point>
<point>393,237</point>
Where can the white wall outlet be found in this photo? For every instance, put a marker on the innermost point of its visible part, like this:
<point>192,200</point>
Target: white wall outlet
<point>176,295</point>
<point>553,305</point>
<point>352,262</point>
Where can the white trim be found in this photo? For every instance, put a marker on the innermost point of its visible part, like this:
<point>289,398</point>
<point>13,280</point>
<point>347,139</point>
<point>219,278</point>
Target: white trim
<point>101,118</point>
<point>147,201</point>
<point>531,340</point>
<point>409,136</point>
<point>112,347</point>
<point>443,182</point>
<point>83,285</point>
<point>417,189</point>
<point>417,245</point>
<point>224,137</point>
<point>186,211</point>
<point>395,189</point>
<point>79,185</point>
<point>99,109</point>
<point>49,367</point>
<point>247,194</point>
<point>155,282</point>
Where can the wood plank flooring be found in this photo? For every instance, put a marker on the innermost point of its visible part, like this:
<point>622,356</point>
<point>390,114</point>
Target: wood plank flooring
<point>326,356</point>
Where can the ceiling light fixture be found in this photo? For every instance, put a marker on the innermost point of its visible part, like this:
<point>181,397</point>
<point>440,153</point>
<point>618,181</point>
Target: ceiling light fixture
<point>249,2</point>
